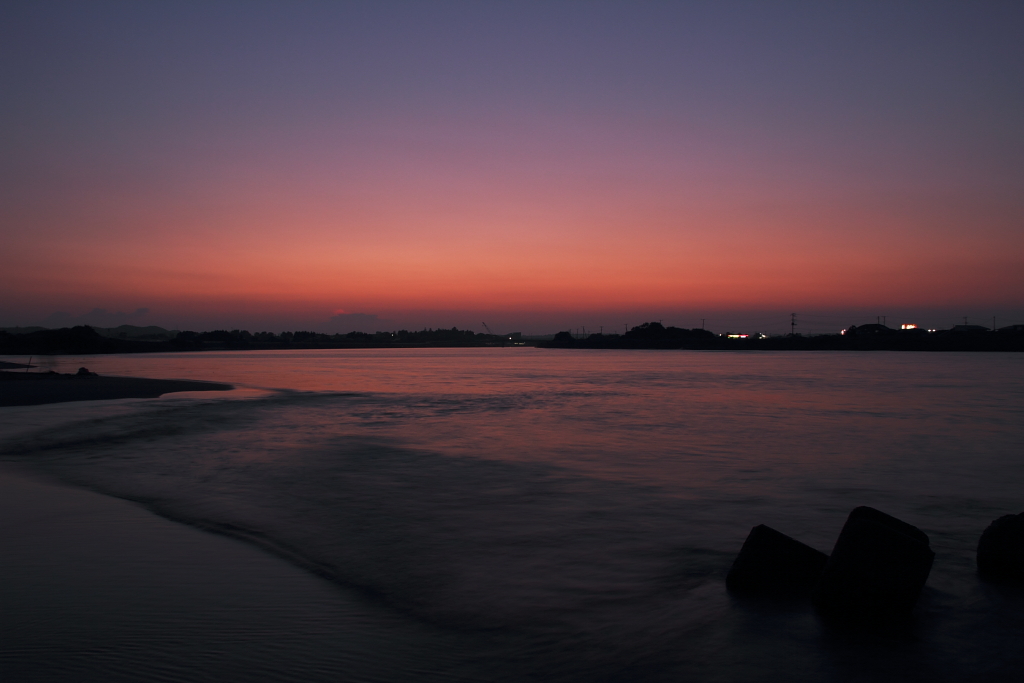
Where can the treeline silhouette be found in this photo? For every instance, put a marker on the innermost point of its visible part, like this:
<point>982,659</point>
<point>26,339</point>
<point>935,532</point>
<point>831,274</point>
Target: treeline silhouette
<point>243,339</point>
<point>646,336</point>
<point>866,338</point>
<point>83,339</point>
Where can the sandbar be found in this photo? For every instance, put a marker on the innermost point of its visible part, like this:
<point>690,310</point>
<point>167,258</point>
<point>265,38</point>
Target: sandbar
<point>37,388</point>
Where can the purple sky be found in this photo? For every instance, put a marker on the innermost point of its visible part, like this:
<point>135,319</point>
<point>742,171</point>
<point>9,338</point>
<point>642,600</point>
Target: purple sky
<point>537,166</point>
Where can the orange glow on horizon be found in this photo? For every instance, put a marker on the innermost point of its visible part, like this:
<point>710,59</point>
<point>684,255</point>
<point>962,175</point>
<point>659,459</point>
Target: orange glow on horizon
<point>569,255</point>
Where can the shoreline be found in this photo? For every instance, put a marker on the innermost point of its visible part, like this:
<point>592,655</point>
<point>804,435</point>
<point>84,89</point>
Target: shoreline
<point>652,335</point>
<point>97,588</point>
<point>35,388</point>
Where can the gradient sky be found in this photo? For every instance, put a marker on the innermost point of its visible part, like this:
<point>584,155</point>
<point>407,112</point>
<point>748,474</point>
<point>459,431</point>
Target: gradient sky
<point>538,166</point>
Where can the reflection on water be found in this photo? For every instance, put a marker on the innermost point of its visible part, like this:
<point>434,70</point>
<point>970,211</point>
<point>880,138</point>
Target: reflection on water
<point>582,508</point>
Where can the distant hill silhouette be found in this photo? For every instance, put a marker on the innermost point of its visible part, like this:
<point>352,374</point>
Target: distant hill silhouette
<point>79,339</point>
<point>148,333</point>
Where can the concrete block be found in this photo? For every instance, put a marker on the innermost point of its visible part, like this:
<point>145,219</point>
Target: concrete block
<point>877,569</point>
<point>1001,549</point>
<point>772,563</point>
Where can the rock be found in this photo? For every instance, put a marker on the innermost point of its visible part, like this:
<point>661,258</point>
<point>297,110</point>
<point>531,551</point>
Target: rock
<point>1001,549</point>
<point>877,569</point>
<point>772,563</point>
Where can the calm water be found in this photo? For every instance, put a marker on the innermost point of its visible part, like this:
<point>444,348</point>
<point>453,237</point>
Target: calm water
<point>556,515</point>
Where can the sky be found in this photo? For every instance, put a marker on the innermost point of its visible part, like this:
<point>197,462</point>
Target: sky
<point>534,166</point>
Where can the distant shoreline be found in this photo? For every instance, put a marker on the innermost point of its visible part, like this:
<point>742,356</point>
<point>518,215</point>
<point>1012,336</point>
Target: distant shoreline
<point>84,340</point>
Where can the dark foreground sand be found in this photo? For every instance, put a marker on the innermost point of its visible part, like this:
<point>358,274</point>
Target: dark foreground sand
<point>93,588</point>
<point>35,388</point>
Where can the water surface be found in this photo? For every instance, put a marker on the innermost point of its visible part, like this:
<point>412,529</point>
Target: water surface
<point>558,515</point>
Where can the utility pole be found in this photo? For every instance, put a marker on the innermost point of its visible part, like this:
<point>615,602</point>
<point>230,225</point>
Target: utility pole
<point>883,320</point>
<point>702,323</point>
<point>792,324</point>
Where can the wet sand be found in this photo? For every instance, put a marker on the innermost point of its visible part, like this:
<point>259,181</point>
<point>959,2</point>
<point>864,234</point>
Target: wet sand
<point>94,588</point>
<point>36,388</point>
